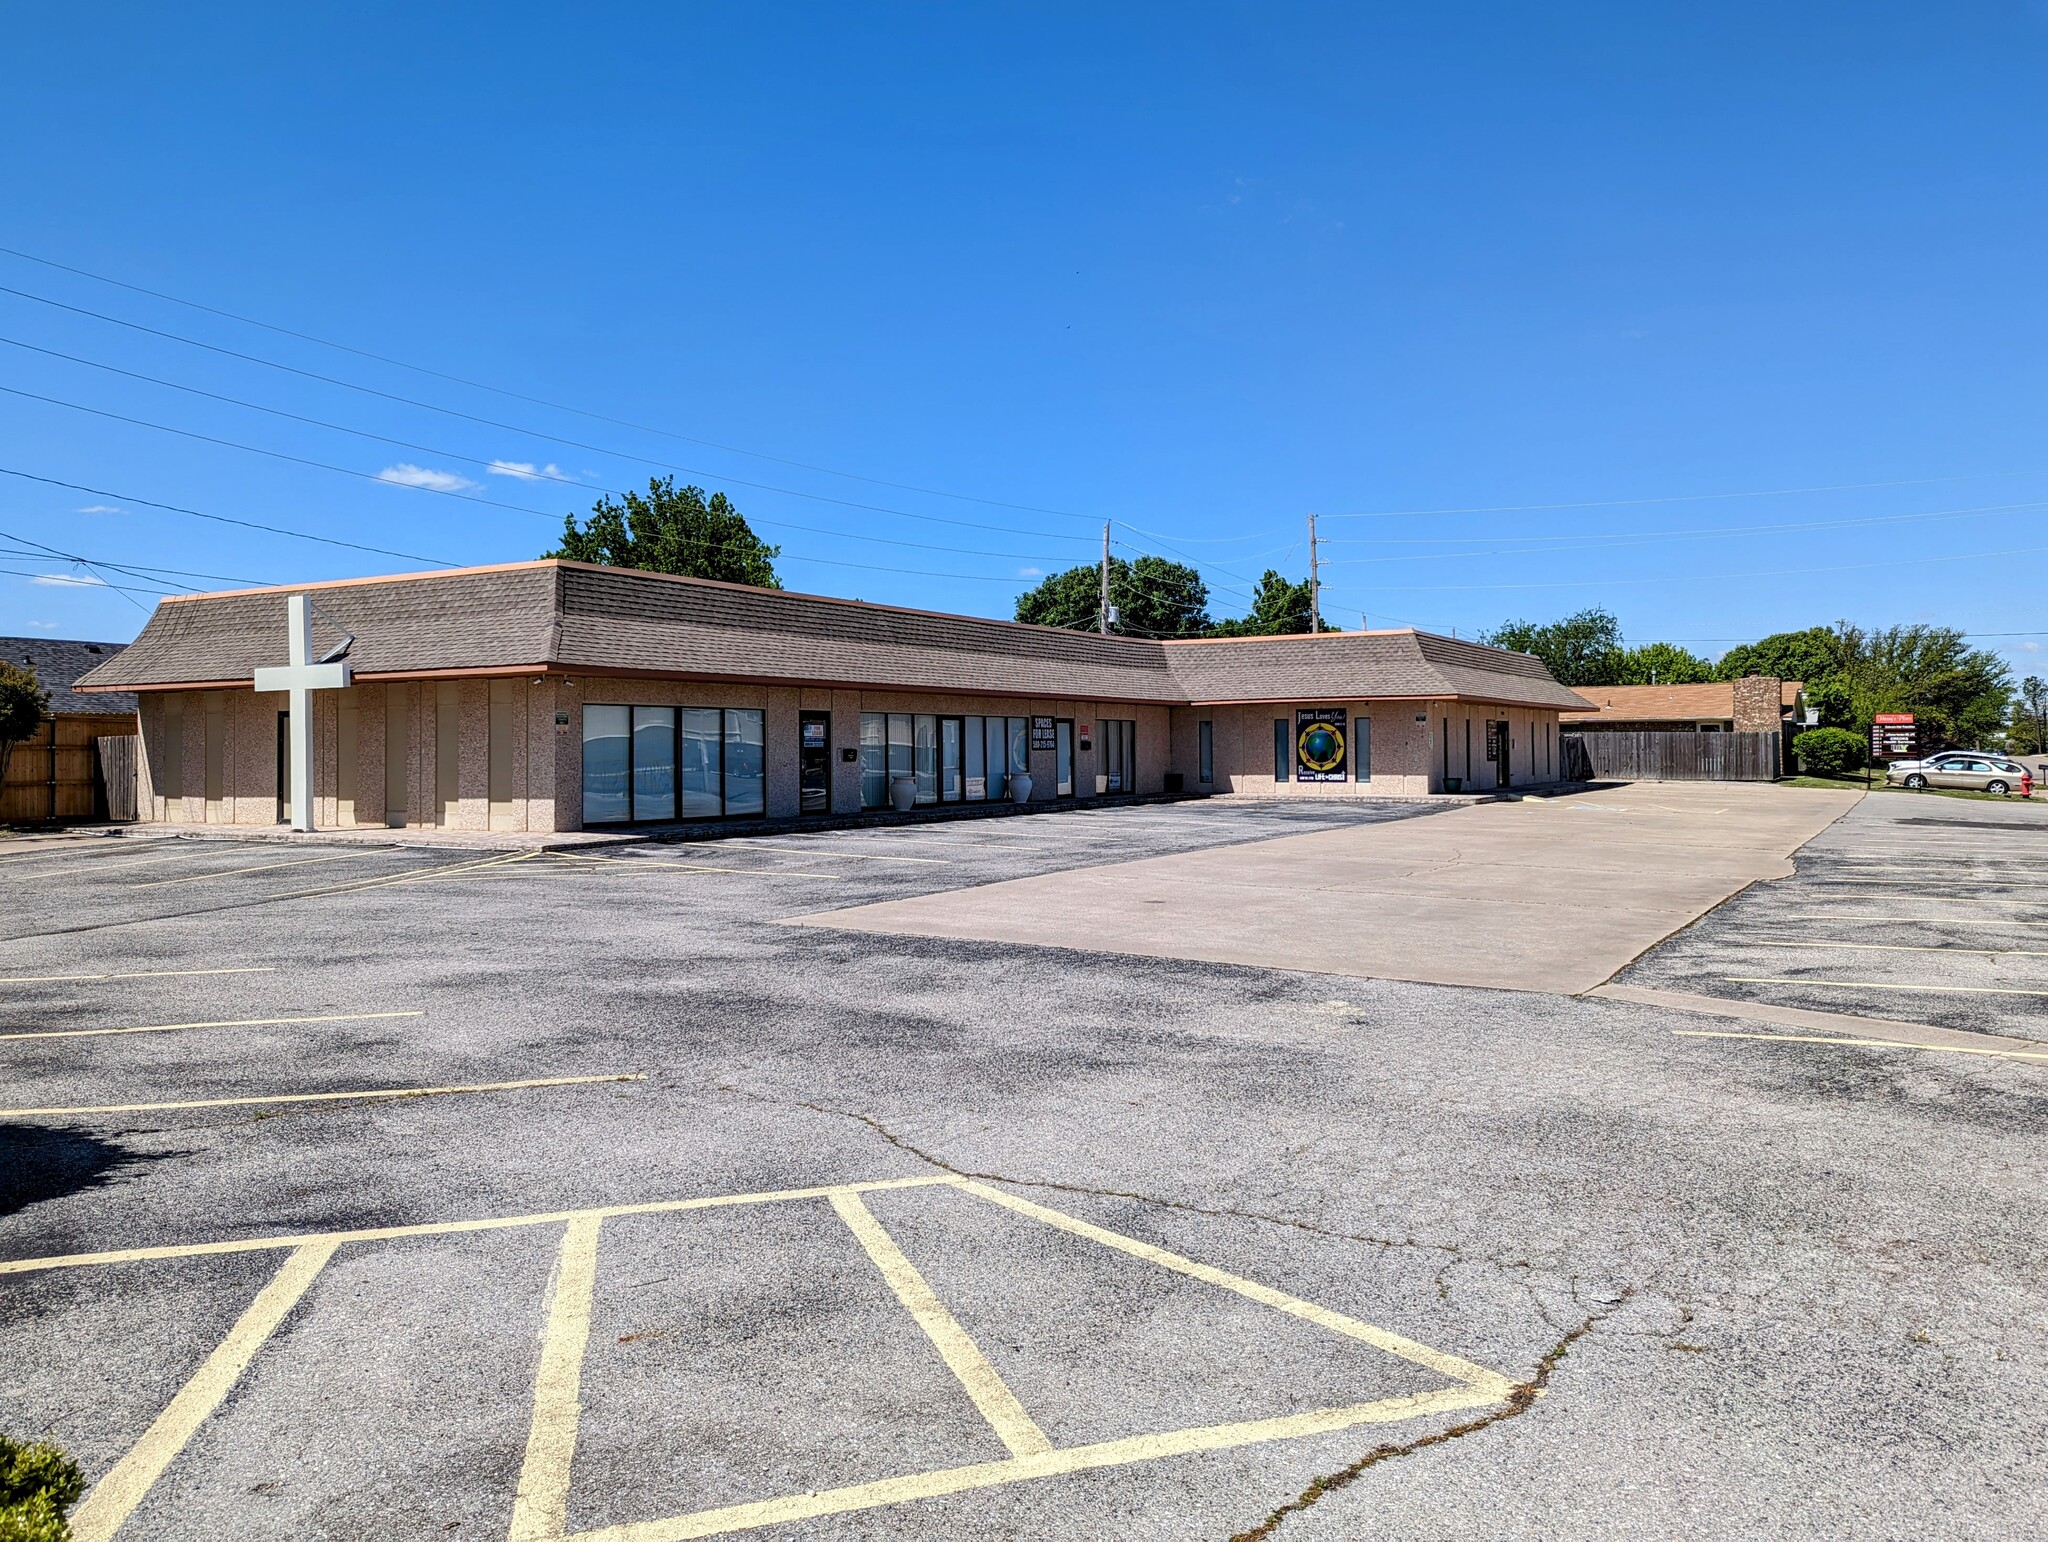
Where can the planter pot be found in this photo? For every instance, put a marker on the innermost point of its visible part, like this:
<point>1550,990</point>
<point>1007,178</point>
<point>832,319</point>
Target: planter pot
<point>903,794</point>
<point>1020,789</point>
<point>1454,784</point>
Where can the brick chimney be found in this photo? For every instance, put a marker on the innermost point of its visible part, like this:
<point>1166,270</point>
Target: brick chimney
<point>1759,704</point>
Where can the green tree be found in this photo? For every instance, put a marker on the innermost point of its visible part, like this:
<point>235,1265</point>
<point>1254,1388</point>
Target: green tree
<point>1152,598</point>
<point>2028,734</point>
<point>1810,656</point>
<point>23,702</point>
<point>1957,694</point>
<point>672,530</point>
<point>1658,663</point>
<point>1279,606</point>
<point>1582,649</point>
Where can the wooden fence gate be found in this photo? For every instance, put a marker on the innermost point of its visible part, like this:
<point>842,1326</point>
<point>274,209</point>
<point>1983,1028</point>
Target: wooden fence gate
<point>1621,756</point>
<point>58,775</point>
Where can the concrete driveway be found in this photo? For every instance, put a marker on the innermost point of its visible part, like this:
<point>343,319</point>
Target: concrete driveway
<point>1547,894</point>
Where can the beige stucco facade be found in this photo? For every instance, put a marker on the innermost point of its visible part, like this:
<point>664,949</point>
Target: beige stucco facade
<point>506,752</point>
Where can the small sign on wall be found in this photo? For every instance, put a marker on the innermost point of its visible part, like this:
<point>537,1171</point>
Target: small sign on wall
<point>1492,739</point>
<point>1044,734</point>
<point>562,724</point>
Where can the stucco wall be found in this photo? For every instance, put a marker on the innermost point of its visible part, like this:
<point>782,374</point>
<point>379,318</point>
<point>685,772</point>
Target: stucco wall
<point>544,759</point>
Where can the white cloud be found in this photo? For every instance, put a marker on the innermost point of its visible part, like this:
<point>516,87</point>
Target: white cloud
<point>99,508</point>
<point>42,626</point>
<point>1031,572</point>
<point>404,474</point>
<point>2030,647</point>
<point>526,470</point>
<point>70,580</point>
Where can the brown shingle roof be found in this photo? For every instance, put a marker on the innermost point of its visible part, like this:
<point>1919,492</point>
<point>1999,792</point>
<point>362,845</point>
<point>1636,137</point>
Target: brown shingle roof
<point>1677,703</point>
<point>572,616</point>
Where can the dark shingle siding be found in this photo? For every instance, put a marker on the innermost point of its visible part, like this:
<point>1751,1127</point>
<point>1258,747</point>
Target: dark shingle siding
<point>59,665</point>
<point>605,619</point>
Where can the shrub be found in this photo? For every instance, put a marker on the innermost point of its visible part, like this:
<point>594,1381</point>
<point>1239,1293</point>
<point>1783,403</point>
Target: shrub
<point>1829,751</point>
<point>38,1484</point>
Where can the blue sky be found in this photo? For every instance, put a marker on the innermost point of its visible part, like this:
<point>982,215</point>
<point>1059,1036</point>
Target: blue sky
<point>1728,318</point>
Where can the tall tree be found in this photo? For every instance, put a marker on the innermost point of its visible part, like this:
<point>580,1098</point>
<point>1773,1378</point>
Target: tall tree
<point>1279,605</point>
<point>1958,694</point>
<point>1658,663</point>
<point>1812,656</point>
<point>1152,597</point>
<point>22,704</point>
<point>2028,734</point>
<point>672,530</point>
<point>1581,649</point>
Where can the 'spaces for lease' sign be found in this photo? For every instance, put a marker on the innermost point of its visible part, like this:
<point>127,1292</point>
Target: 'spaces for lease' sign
<point>1893,736</point>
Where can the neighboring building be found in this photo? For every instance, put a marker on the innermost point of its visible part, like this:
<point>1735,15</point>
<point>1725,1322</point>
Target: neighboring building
<point>1754,704</point>
<point>558,695</point>
<point>56,774</point>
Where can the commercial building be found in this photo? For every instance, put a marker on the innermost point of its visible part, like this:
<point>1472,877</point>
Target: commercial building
<point>551,695</point>
<point>1754,704</point>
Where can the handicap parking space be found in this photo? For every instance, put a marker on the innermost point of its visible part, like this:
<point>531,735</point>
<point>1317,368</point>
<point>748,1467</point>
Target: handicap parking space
<point>1893,913</point>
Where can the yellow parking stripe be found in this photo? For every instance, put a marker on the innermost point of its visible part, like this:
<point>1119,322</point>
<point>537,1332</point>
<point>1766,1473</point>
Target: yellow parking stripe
<point>137,974</point>
<point>320,1097</point>
<point>963,1357</point>
<point>236,872</point>
<point>540,1509</point>
<point>238,1022</point>
<point>116,1495</point>
<point>1884,985</point>
<point>1895,947</point>
<point>1801,1038</point>
<point>444,1228</point>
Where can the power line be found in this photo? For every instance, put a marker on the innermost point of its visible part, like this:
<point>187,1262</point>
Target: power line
<point>1607,543</point>
<point>1621,503</point>
<point>510,428</point>
<point>473,460</point>
<point>536,401</point>
<point>1706,578</point>
<point>222,519</point>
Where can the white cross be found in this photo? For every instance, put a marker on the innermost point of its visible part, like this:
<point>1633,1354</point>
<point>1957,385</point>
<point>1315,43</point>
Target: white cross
<point>301,677</point>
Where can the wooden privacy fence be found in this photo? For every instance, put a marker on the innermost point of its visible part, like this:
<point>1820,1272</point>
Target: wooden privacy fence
<point>61,773</point>
<point>1621,756</point>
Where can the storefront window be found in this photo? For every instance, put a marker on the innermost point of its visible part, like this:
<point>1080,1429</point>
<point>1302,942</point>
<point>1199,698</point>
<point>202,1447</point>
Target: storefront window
<point>1205,735</point>
<point>997,740</point>
<point>1020,747</point>
<point>977,761</point>
<point>703,782</point>
<point>874,760</point>
<point>607,764</point>
<point>927,742</point>
<point>1361,746</point>
<point>746,763</point>
<point>654,762</point>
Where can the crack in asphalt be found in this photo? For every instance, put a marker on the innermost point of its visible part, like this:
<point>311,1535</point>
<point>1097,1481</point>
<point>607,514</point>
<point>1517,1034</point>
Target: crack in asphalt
<point>1519,1402</point>
<point>1456,1251</point>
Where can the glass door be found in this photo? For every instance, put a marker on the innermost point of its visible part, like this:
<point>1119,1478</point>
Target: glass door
<point>951,779</point>
<point>814,763</point>
<point>1063,740</point>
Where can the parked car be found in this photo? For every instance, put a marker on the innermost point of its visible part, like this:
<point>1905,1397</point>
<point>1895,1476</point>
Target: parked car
<point>1976,771</point>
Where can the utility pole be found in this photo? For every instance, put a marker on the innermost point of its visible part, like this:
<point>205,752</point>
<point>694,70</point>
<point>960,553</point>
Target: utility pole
<point>1315,580</point>
<point>1102,612</point>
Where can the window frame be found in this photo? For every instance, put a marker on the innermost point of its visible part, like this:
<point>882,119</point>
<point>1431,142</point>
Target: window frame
<point>727,740</point>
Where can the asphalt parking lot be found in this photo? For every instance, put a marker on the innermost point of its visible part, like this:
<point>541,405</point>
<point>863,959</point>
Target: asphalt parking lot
<point>407,1193</point>
<point>1930,910</point>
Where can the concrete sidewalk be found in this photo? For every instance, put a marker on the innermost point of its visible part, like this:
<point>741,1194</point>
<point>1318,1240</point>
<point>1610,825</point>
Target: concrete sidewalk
<point>1548,894</point>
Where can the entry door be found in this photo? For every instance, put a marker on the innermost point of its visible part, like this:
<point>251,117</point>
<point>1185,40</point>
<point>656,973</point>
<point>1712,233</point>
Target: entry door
<point>284,768</point>
<point>814,763</point>
<point>1063,750</point>
<point>952,775</point>
<point>1501,734</point>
